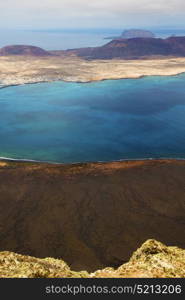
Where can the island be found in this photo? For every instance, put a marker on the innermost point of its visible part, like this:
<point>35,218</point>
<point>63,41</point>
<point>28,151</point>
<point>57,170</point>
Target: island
<point>119,59</point>
<point>133,33</point>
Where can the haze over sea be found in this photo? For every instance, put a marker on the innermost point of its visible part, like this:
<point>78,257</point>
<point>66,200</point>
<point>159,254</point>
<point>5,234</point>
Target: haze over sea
<point>97,121</point>
<point>68,39</point>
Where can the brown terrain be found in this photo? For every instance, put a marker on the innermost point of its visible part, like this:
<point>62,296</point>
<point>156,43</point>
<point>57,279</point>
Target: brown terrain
<point>91,215</point>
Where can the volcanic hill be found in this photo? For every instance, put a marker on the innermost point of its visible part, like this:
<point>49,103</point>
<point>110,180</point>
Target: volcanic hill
<point>91,215</point>
<point>23,50</point>
<point>134,48</point>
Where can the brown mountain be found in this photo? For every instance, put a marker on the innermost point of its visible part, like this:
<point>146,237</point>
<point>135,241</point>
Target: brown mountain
<point>135,48</point>
<point>91,215</point>
<point>23,50</point>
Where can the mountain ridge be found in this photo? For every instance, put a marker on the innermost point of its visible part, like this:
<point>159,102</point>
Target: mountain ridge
<point>120,48</point>
<point>134,48</point>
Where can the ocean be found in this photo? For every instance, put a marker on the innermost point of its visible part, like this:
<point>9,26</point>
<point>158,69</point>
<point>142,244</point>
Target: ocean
<point>69,39</point>
<point>99,121</point>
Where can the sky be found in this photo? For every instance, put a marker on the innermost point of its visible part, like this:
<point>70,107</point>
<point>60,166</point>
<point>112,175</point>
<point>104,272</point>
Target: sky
<point>53,14</point>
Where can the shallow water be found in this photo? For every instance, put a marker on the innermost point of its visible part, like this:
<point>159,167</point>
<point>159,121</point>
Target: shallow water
<point>98,121</point>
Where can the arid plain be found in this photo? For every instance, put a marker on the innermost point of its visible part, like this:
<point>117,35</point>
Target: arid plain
<point>15,70</point>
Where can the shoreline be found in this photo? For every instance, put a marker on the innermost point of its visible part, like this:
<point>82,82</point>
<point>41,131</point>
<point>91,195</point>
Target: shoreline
<point>89,81</point>
<point>126,160</point>
<point>22,70</point>
<point>85,82</point>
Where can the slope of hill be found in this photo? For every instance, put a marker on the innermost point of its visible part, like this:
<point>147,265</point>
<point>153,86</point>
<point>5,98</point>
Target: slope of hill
<point>91,215</point>
<point>135,48</point>
<point>23,50</point>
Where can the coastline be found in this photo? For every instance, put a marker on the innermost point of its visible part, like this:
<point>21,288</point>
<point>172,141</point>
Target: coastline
<point>124,160</point>
<point>31,70</point>
<point>84,82</point>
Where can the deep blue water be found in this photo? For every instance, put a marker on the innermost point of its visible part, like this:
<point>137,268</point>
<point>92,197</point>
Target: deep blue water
<point>99,121</point>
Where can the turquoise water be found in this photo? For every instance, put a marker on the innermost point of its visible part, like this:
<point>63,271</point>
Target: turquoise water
<point>99,121</point>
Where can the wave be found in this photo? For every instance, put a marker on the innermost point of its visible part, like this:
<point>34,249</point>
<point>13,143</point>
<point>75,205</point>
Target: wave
<point>2,158</point>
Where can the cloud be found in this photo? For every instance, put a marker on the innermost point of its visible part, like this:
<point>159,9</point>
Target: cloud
<point>94,13</point>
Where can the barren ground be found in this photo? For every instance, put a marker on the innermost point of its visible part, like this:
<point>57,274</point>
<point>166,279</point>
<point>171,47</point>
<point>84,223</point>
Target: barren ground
<point>24,69</point>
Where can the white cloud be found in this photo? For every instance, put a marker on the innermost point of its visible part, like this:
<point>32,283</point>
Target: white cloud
<point>90,13</point>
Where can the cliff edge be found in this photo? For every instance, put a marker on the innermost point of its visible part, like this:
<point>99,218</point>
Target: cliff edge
<point>152,260</point>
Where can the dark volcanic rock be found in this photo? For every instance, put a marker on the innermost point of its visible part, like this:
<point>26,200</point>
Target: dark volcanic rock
<point>23,50</point>
<point>91,215</point>
<point>135,48</point>
<point>177,45</point>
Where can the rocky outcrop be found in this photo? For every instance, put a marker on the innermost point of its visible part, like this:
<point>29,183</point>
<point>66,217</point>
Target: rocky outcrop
<point>152,260</point>
<point>23,50</point>
<point>135,48</point>
<point>91,215</point>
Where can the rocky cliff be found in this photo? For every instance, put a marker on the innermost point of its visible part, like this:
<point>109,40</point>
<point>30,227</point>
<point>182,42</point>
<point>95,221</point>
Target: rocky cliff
<point>91,215</point>
<point>151,260</point>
